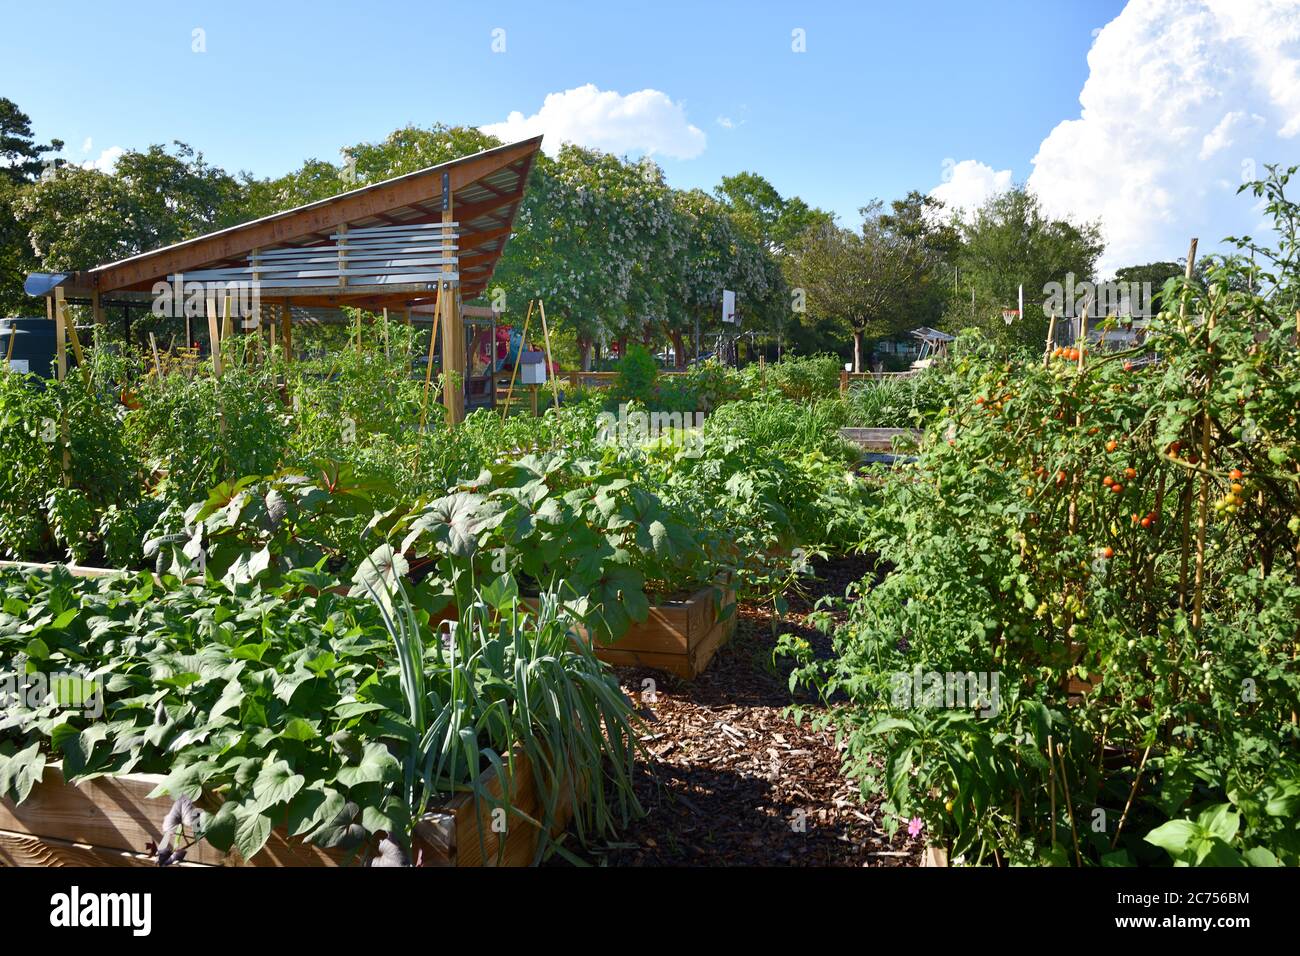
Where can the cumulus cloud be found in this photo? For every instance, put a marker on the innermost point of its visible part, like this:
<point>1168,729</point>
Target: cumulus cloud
<point>106,161</point>
<point>968,184</point>
<point>646,122</point>
<point>1185,99</point>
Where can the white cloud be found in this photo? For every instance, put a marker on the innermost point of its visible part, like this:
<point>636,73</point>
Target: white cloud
<point>646,122</point>
<point>107,159</point>
<point>87,145</point>
<point>726,122</point>
<point>968,184</point>
<point>1184,100</point>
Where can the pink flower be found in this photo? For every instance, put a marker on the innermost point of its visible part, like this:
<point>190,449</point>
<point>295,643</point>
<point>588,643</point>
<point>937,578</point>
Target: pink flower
<point>914,827</point>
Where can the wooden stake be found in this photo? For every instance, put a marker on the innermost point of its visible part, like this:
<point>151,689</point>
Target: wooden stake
<point>227,324</point>
<point>1051,335</point>
<point>214,338</point>
<point>505,407</point>
<point>71,326</point>
<point>157,362</point>
<point>387,356</point>
<point>546,337</point>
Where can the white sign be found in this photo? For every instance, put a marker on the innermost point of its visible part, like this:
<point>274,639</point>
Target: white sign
<point>20,365</point>
<point>728,306</point>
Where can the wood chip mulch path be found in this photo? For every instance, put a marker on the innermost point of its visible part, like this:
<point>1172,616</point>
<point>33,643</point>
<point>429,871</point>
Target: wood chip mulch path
<point>734,780</point>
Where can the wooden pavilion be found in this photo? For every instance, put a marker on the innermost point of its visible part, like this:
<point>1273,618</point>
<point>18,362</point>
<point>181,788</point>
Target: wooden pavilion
<point>428,240</point>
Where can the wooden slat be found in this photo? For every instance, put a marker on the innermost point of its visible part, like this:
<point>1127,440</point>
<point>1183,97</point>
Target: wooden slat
<point>115,813</point>
<point>414,228</point>
<point>21,849</point>
<point>293,270</point>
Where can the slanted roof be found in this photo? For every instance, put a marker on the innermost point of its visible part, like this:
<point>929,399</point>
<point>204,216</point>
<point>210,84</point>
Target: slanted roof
<point>486,190</point>
<point>934,336</point>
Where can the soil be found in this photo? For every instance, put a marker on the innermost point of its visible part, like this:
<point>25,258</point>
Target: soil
<point>734,779</point>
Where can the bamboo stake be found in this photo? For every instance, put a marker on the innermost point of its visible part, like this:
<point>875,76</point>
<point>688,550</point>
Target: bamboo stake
<point>1131,794</point>
<point>1069,804</point>
<point>1051,786</point>
<point>550,362</point>
<point>1185,497</point>
<point>157,362</point>
<point>387,356</point>
<point>9,347</point>
<point>523,339</point>
<point>1198,588</point>
<point>1047,346</point>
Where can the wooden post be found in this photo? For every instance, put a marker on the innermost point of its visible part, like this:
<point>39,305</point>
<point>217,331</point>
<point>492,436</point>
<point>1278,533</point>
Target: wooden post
<point>453,333</point>
<point>286,330</point>
<point>546,337</point>
<point>428,364</point>
<point>60,345</point>
<point>61,353</point>
<point>70,325</point>
<point>96,309</point>
<point>214,337</point>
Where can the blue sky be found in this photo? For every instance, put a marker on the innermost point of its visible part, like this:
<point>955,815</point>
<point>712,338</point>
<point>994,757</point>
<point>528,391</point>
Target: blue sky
<point>1183,99</point>
<point>882,95</point>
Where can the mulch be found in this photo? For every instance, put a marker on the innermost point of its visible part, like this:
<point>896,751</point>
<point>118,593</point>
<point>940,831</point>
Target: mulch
<point>734,780</point>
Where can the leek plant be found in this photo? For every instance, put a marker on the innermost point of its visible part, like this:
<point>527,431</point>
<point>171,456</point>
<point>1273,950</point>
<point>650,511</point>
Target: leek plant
<point>505,683</point>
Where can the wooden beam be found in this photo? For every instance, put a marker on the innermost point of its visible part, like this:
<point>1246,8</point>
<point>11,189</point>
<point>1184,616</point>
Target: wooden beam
<point>295,224</point>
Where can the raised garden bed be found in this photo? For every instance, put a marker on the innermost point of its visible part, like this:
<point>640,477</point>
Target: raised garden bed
<point>680,637</point>
<point>879,439</point>
<point>108,821</point>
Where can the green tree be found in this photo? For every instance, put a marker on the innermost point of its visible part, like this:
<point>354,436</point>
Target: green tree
<point>776,224</point>
<point>1009,243</point>
<point>587,222</point>
<point>21,162</point>
<point>78,218</point>
<point>863,279</point>
<point>20,156</point>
